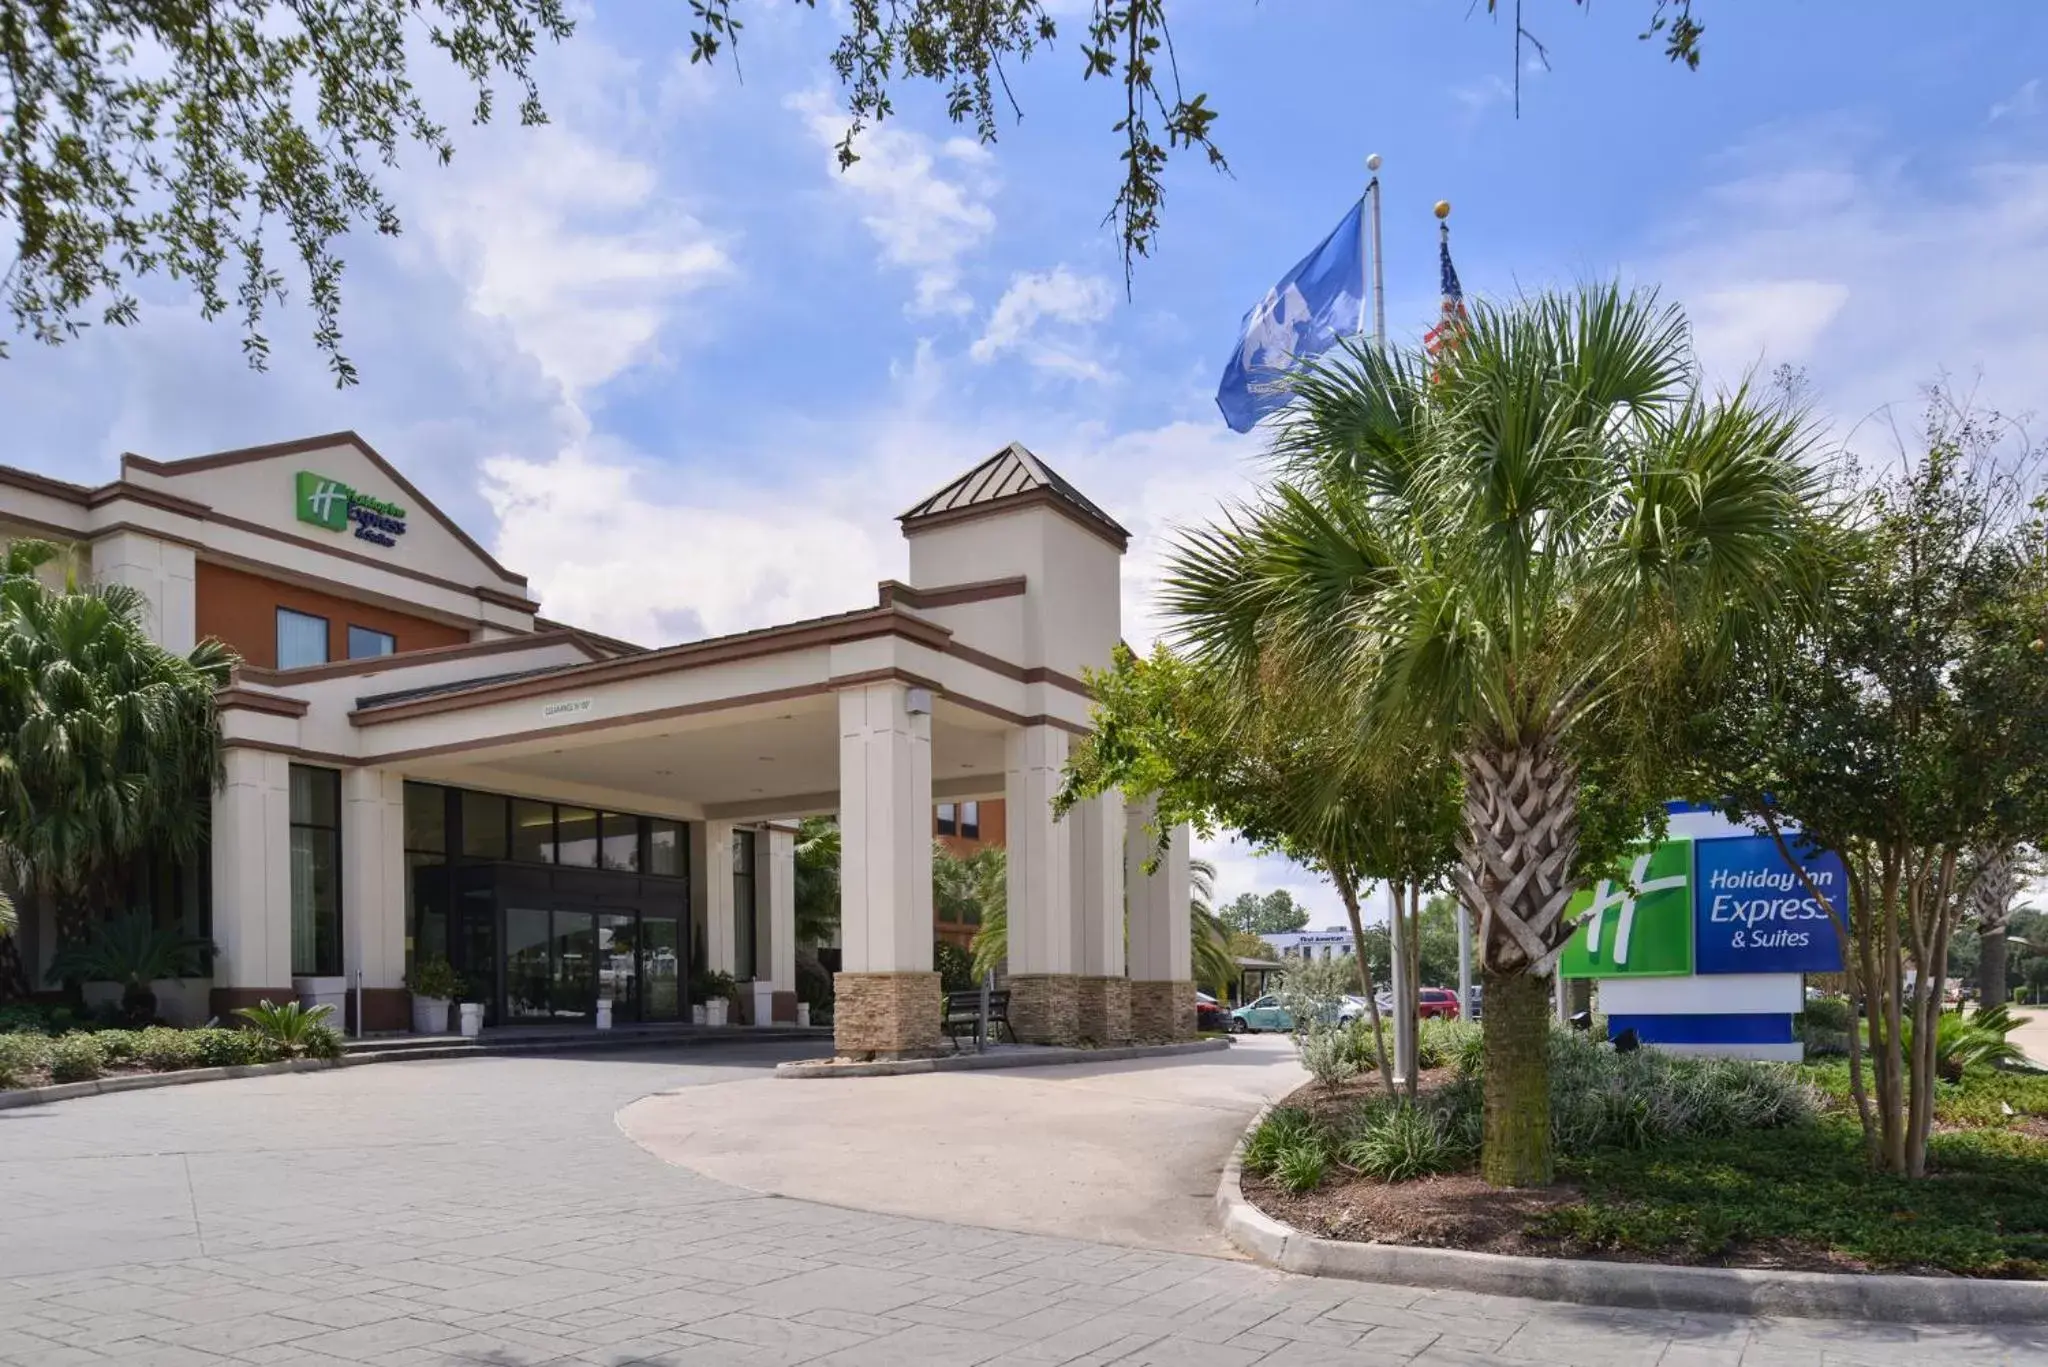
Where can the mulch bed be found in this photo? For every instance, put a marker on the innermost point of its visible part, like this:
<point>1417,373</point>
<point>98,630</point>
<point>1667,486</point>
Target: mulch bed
<point>1458,1210</point>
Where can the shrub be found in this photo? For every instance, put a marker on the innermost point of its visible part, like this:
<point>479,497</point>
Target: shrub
<point>76,1058</point>
<point>31,1018</point>
<point>162,1049</point>
<point>117,1045</point>
<point>1283,1127</point>
<point>1333,1053</point>
<point>291,1030</point>
<point>1828,1013</point>
<point>955,967</point>
<point>1398,1141</point>
<point>1443,1043</point>
<point>22,1053</point>
<point>1312,990</point>
<point>1301,1165</point>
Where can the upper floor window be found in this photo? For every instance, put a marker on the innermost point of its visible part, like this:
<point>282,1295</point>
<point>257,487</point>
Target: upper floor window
<point>301,639</point>
<point>365,644</point>
<point>949,819</point>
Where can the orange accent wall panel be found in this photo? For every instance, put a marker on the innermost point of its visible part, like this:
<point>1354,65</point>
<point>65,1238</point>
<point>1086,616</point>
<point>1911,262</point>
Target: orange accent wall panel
<point>994,830</point>
<point>241,609</point>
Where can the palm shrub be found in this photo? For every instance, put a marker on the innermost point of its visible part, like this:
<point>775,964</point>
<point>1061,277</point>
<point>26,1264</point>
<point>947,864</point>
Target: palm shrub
<point>295,1030</point>
<point>1527,551</point>
<point>1962,1043</point>
<point>108,742</point>
<point>134,951</point>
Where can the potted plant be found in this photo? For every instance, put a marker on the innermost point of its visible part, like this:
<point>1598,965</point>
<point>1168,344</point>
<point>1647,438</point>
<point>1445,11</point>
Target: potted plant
<point>136,953</point>
<point>716,992</point>
<point>434,983</point>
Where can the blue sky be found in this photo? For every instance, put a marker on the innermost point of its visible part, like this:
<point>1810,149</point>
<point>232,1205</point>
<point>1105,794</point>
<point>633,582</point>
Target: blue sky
<point>665,359</point>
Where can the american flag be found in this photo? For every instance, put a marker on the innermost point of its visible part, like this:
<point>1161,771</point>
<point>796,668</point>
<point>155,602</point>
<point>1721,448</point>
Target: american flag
<point>1453,320</point>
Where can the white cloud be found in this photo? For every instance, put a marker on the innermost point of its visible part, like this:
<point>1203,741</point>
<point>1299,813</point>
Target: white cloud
<point>1876,277</point>
<point>925,203</point>
<point>2022,103</point>
<point>609,547</point>
<point>573,245</point>
<point>1047,316</point>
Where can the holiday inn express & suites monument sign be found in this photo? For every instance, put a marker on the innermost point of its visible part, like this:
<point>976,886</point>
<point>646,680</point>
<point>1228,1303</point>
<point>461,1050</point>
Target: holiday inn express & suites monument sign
<point>1700,943</point>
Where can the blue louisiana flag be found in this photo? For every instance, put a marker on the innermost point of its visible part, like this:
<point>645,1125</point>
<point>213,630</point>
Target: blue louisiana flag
<point>1299,319</point>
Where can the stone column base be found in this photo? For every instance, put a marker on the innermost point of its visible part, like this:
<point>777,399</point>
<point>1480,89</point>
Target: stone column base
<point>885,1015</point>
<point>1103,1010</point>
<point>1163,1010</point>
<point>1042,1008</point>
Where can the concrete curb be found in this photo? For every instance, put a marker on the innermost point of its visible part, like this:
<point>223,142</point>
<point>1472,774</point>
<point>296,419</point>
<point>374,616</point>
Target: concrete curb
<point>1640,1286</point>
<point>965,1063</point>
<point>142,1082</point>
<point>732,1035</point>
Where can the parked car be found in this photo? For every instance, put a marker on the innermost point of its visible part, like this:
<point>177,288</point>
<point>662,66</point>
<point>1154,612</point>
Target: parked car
<point>1209,1015</point>
<point>1430,1001</point>
<point>1264,1014</point>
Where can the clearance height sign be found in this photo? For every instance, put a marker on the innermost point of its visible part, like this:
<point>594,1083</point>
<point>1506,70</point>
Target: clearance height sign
<point>1706,906</point>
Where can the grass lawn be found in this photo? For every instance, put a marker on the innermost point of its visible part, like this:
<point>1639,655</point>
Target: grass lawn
<point>1982,1211</point>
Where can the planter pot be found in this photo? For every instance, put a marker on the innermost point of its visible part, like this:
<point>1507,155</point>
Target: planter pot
<point>329,992</point>
<point>697,1014</point>
<point>429,1015</point>
<point>472,1015</point>
<point>762,1001</point>
<point>803,1014</point>
<point>604,1015</point>
<point>714,1011</point>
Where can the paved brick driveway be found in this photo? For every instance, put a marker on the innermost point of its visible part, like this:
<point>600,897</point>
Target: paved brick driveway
<point>487,1211</point>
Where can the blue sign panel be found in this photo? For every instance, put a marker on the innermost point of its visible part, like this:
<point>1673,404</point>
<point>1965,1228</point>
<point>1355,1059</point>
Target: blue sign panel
<point>1753,913</point>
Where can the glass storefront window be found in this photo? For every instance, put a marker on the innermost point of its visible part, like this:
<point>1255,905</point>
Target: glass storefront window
<point>315,805</point>
<point>666,849</point>
<point>533,831</point>
<point>576,837</point>
<point>426,818</point>
<point>621,847</point>
<point>426,907</point>
<point>483,825</point>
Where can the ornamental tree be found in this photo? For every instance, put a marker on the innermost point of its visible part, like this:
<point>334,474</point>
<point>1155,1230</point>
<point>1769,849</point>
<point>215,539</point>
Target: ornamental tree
<point>1906,728</point>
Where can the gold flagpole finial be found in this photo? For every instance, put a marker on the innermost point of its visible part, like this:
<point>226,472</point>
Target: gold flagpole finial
<point>1443,208</point>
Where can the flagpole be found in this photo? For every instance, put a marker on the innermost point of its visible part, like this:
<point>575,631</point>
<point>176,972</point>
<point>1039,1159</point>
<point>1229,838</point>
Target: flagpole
<point>1379,280</point>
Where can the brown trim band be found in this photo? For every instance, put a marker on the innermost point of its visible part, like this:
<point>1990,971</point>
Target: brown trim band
<point>1029,498</point>
<point>406,659</point>
<point>891,591</point>
<point>218,459</point>
<point>855,626</point>
<point>1036,674</point>
<point>989,709</point>
<point>332,761</point>
<point>127,491</point>
<point>404,571</point>
<point>46,485</point>
<point>232,699</point>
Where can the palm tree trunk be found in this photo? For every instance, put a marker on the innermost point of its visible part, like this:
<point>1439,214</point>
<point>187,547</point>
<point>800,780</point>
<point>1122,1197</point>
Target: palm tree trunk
<point>1515,1151</point>
<point>1991,970</point>
<point>1521,832</point>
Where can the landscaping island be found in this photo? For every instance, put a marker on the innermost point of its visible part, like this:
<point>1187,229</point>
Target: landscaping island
<point>1661,1159</point>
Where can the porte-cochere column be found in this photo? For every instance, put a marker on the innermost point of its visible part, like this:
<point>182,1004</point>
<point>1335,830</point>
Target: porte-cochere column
<point>1162,967</point>
<point>887,1002</point>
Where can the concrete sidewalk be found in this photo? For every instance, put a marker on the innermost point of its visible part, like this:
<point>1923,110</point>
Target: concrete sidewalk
<point>1121,1152</point>
<point>2032,1036</point>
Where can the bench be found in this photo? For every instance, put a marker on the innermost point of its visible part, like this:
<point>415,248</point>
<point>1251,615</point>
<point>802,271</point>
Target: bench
<point>963,1012</point>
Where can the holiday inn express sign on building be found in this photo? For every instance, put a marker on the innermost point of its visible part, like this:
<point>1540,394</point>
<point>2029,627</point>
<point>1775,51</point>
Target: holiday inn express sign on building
<point>329,503</point>
<point>1707,906</point>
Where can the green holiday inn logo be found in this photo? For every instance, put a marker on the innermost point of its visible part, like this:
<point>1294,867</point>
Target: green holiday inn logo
<point>328,503</point>
<point>1637,921</point>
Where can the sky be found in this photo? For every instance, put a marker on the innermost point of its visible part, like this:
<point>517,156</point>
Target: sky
<point>666,359</point>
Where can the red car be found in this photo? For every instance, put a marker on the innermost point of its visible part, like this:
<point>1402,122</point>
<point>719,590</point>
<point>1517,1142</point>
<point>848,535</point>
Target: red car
<point>1437,1001</point>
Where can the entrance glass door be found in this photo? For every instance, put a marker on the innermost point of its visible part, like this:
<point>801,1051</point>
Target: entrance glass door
<point>526,963</point>
<point>618,979</point>
<point>661,969</point>
<point>572,986</point>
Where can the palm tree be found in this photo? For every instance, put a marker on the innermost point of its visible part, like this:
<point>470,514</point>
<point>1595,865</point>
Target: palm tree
<point>1516,552</point>
<point>817,879</point>
<point>109,743</point>
<point>1215,967</point>
<point>136,953</point>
